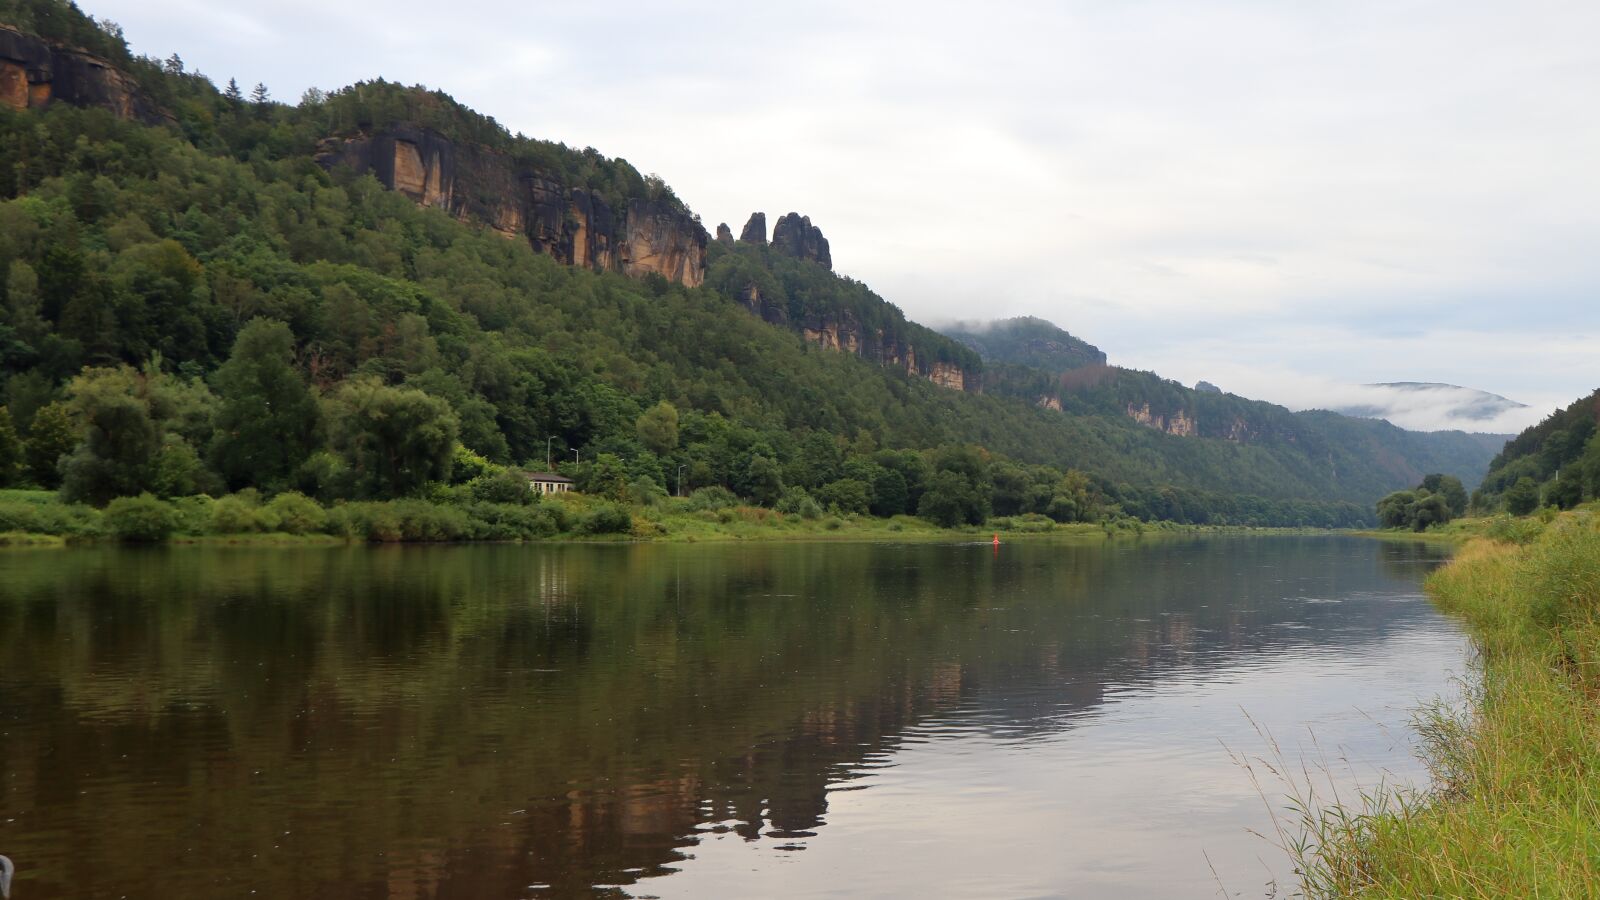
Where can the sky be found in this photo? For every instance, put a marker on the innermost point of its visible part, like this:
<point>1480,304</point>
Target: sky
<point>1282,197</point>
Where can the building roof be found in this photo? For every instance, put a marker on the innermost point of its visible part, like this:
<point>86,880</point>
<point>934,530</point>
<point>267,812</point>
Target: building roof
<point>547,476</point>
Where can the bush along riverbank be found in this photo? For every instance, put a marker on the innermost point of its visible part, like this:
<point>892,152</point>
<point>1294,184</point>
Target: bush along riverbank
<point>1515,810</point>
<point>487,512</point>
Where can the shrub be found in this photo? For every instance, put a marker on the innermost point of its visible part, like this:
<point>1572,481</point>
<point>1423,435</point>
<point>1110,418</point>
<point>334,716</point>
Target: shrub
<point>143,519</point>
<point>48,518</point>
<point>237,513</point>
<point>607,518</point>
<point>501,486</point>
<point>713,498</point>
<point>296,513</point>
<point>796,502</point>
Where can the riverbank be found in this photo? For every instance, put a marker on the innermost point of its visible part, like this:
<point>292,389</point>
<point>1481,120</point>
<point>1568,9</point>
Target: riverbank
<point>1515,810</point>
<point>40,519</point>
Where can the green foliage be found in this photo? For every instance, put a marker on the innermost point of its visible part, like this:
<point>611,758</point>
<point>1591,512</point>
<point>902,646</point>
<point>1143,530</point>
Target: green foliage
<point>1027,341</point>
<point>847,495</point>
<point>796,502</point>
<point>951,500</point>
<point>606,518</point>
<point>658,428</point>
<point>394,440</point>
<point>295,513</point>
<point>1434,502</point>
<point>267,421</point>
<point>122,440</point>
<point>501,486</point>
<point>712,498</point>
<point>141,519</point>
<point>11,450</point>
<point>1522,497</point>
<point>763,481</point>
<point>1450,487</point>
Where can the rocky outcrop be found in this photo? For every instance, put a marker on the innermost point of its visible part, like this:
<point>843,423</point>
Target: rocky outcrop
<point>846,335</point>
<point>568,222</point>
<point>755,230</point>
<point>35,72</point>
<point>724,234</point>
<point>1206,387</point>
<point>795,236</point>
<point>1179,423</point>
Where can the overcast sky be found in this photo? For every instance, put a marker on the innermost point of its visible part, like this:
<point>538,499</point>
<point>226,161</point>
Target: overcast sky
<point>1281,197</point>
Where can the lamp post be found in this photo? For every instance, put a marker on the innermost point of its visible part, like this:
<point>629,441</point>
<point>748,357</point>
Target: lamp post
<point>575,457</point>
<point>680,478</point>
<point>547,441</point>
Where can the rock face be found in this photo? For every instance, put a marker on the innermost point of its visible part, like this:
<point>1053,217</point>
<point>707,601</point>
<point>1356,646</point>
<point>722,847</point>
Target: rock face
<point>755,230</point>
<point>724,234</point>
<point>571,224</point>
<point>35,72</point>
<point>1206,387</point>
<point>795,236</point>
<point>1179,423</point>
<point>847,335</point>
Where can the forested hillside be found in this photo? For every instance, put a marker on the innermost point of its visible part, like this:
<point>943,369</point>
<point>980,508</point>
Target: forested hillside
<point>1555,462</point>
<point>198,300</point>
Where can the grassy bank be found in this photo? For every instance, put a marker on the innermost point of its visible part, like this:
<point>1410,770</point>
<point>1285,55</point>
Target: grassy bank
<point>39,518</point>
<point>1515,810</point>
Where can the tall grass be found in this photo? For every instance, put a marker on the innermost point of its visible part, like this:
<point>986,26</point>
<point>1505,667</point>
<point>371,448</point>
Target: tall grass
<point>1515,809</point>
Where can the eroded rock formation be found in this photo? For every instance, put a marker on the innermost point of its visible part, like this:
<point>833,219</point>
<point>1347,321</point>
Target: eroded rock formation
<point>1179,423</point>
<point>795,236</point>
<point>569,223</point>
<point>724,233</point>
<point>35,72</point>
<point>755,230</point>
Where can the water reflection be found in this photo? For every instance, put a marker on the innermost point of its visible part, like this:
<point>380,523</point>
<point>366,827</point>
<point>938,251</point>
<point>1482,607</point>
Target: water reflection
<point>549,721</point>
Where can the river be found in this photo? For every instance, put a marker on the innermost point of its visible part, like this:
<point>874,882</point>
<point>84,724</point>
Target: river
<point>1042,719</point>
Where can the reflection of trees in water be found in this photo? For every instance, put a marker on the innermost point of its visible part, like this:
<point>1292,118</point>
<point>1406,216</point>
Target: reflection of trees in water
<point>466,721</point>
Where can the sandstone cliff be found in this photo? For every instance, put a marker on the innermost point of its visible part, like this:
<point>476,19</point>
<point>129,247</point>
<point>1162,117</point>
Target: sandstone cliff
<point>795,236</point>
<point>35,72</point>
<point>569,223</point>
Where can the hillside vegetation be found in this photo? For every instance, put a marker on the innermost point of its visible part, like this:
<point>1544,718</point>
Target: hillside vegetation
<point>198,307</point>
<point>1556,462</point>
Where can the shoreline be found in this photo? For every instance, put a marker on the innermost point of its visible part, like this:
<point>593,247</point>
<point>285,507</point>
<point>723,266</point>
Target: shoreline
<point>845,534</point>
<point>1515,792</point>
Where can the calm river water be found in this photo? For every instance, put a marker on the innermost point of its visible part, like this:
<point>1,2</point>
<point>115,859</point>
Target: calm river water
<point>759,720</point>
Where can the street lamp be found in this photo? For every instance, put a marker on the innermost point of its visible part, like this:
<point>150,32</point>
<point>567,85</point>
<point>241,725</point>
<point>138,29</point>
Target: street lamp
<point>680,478</point>
<point>575,457</point>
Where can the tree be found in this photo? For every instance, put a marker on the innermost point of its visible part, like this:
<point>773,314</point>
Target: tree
<point>1455,494</point>
<point>259,95</point>
<point>121,440</point>
<point>394,440</point>
<point>267,424</point>
<point>233,94</point>
<point>1522,497</point>
<point>173,65</point>
<point>1393,509</point>
<point>763,481</point>
<point>950,500</point>
<point>847,495</point>
<point>10,450</point>
<point>657,428</point>
<point>51,437</point>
